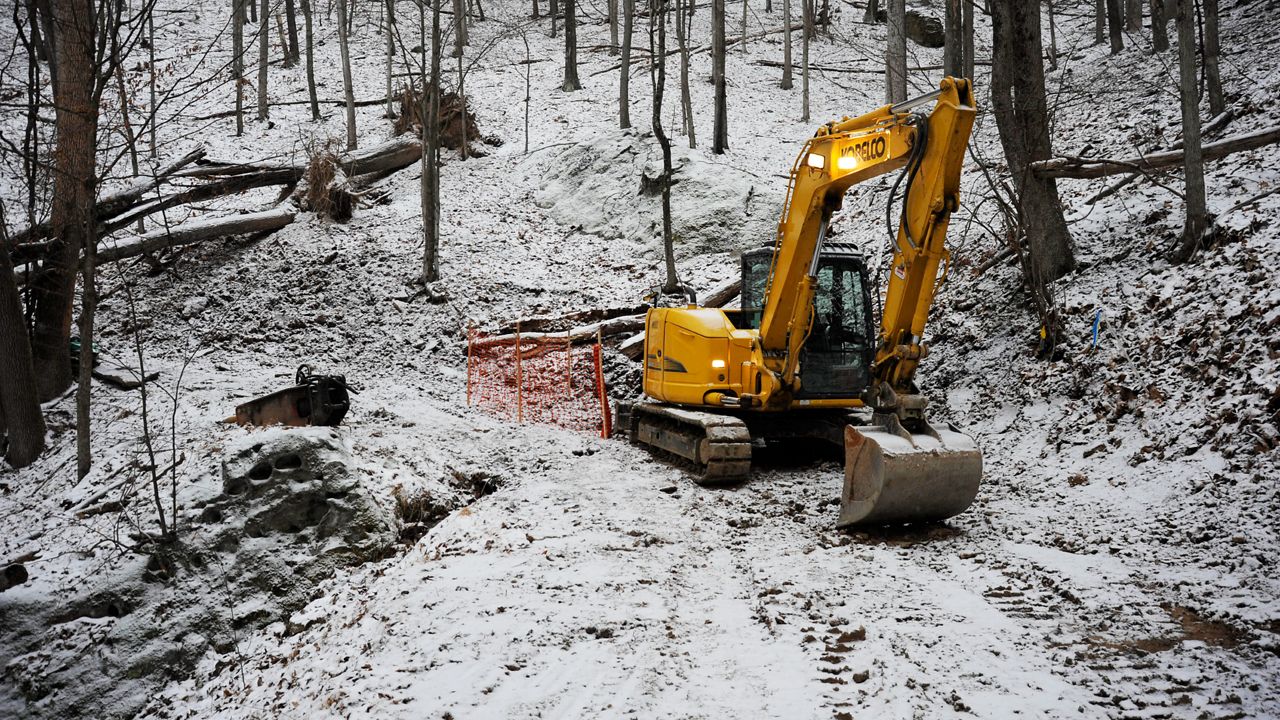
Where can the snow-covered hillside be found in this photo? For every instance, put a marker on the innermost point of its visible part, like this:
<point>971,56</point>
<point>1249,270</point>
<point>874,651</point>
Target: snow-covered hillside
<point>1120,560</point>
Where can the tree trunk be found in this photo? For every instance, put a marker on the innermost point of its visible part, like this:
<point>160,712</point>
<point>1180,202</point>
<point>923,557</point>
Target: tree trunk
<point>786,44</point>
<point>806,7</point>
<point>431,160</point>
<point>348,91</point>
<point>624,72</point>
<point>658,76</point>
<point>744,28</point>
<point>75,183</point>
<point>953,49</point>
<point>1099,21</point>
<point>1115,24</point>
<point>1197,219</point>
<point>686,99</point>
<point>311,64</point>
<point>237,59</point>
<point>391,53</point>
<point>1053,38</point>
<point>291,20</point>
<point>1022,118</point>
<point>613,27</point>
<point>869,17</point>
<point>460,39</point>
<point>264,45</point>
<point>571,82</point>
<point>528,87</point>
<point>1159,26</point>
<point>967,67</point>
<point>1133,15</point>
<point>720,129</point>
<point>895,56</point>
<point>20,417</point>
<point>1212,77</point>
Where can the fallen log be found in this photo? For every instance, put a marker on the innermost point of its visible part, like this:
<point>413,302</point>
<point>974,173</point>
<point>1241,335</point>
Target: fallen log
<point>194,232</point>
<point>1083,168</point>
<point>552,324</point>
<point>578,335</point>
<point>23,243</point>
<point>123,209</point>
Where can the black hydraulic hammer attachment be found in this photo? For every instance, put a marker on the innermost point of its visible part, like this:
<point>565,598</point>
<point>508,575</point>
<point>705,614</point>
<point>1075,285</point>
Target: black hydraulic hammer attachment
<point>313,400</point>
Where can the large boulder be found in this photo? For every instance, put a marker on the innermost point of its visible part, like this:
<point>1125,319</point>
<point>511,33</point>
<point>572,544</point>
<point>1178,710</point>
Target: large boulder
<point>287,509</point>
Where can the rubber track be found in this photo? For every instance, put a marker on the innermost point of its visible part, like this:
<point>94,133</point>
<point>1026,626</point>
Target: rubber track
<point>720,445</point>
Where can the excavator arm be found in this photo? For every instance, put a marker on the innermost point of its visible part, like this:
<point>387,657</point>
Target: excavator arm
<point>841,154</point>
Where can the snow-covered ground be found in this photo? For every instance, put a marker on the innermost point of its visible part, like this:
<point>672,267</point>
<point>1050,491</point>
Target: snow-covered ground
<point>1119,560</point>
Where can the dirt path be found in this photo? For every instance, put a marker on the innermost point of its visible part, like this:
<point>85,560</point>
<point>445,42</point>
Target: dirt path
<point>600,583</point>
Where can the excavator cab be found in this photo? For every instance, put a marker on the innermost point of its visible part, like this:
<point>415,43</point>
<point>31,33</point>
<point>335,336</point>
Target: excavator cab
<point>836,361</point>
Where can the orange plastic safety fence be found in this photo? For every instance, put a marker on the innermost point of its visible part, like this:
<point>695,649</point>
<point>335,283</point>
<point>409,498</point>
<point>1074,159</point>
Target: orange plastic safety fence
<point>538,379</point>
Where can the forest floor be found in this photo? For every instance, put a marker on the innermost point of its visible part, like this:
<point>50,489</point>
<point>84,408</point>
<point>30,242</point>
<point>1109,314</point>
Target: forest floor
<point>1119,560</point>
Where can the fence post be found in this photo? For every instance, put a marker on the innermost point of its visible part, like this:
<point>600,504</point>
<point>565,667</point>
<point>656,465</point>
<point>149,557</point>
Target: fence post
<point>519,379</point>
<point>606,418</point>
<point>471,339</point>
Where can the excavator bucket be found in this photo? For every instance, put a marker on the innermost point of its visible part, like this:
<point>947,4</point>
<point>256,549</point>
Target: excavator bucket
<point>895,476</point>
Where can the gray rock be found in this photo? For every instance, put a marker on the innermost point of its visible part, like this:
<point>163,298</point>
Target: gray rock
<point>287,510</point>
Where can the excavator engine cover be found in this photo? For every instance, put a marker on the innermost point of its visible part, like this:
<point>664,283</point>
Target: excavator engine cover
<point>894,476</point>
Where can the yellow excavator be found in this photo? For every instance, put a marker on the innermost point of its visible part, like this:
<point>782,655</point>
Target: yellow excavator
<point>800,358</point>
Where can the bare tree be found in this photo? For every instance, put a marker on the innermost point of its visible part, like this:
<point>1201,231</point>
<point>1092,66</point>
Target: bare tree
<point>613,27</point>
<point>658,76</point>
<point>460,39</point>
<point>20,417</point>
<point>84,35</point>
<point>895,56</point>
<point>953,49</point>
<point>624,70</point>
<point>571,82</point>
<point>391,52</point>
<point>311,65</point>
<point>720,128</point>
<point>1053,37</point>
<point>1115,24</point>
<point>1022,117</point>
<point>1133,15</point>
<point>1212,76</point>
<point>237,59</point>
<point>1197,222</point>
<point>264,45</point>
<point>1159,26</point>
<point>291,19</point>
<point>786,45</point>
<point>348,92</point>
<point>682,39</point>
<point>431,152</point>
<point>806,7</point>
<point>967,65</point>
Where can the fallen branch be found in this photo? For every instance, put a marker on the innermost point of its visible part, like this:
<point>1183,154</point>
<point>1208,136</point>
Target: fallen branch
<point>578,335</point>
<point>342,103</point>
<point>1073,167</point>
